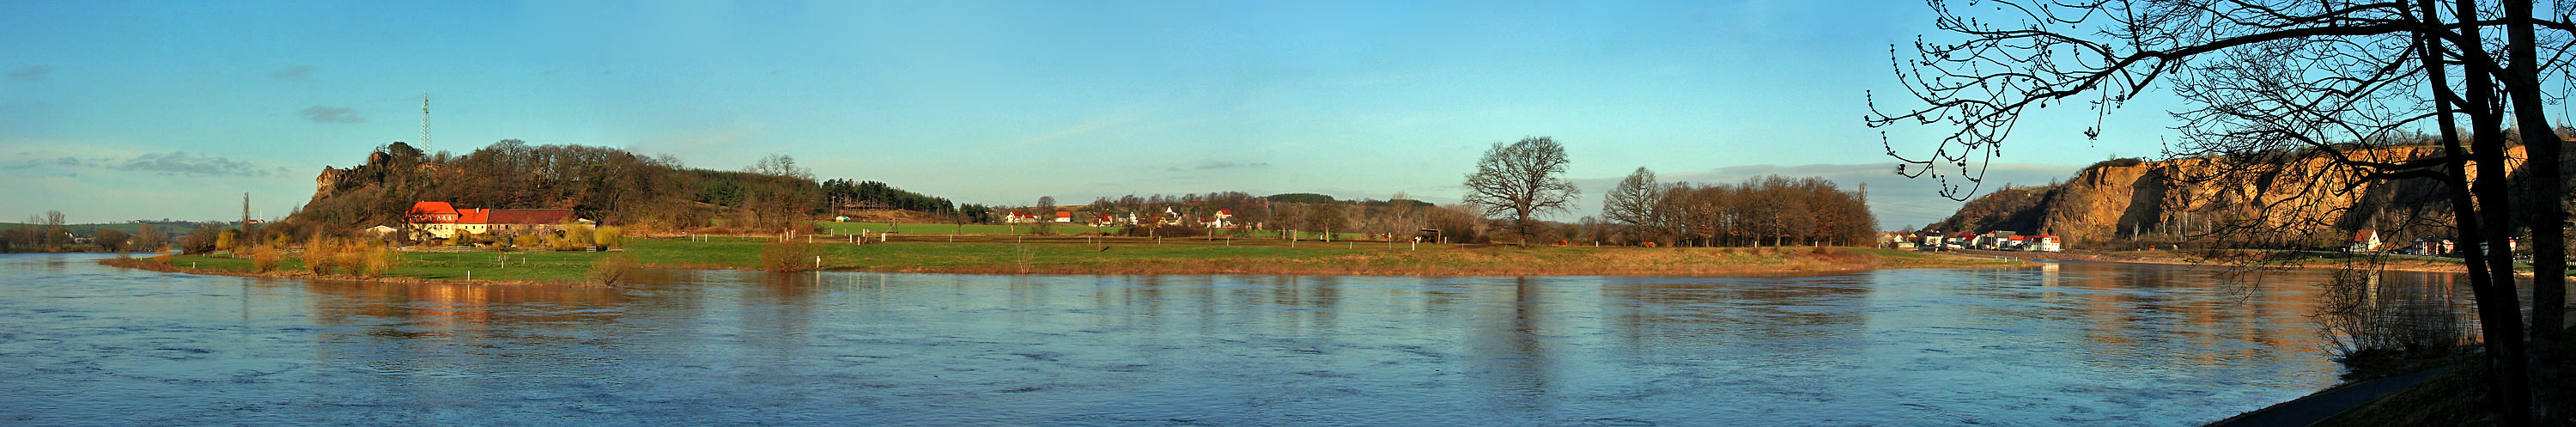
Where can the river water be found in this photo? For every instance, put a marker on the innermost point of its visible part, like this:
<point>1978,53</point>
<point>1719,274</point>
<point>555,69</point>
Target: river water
<point>2062,344</point>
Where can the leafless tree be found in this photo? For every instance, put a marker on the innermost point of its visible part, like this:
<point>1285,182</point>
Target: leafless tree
<point>1632,203</point>
<point>1522,179</point>
<point>2296,99</point>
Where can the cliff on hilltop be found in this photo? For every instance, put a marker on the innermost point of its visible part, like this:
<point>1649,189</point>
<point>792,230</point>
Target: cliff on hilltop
<point>2303,200</point>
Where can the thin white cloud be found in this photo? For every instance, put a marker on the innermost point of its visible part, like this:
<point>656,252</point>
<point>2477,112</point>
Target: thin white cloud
<point>298,72</point>
<point>175,163</point>
<point>31,72</point>
<point>328,114</point>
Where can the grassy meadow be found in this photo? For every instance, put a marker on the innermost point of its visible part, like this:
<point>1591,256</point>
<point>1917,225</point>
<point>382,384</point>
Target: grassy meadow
<point>1018,254</point>
<point>848,228</point>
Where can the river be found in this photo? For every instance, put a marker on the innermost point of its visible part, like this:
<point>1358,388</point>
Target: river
<point>2061,344</point>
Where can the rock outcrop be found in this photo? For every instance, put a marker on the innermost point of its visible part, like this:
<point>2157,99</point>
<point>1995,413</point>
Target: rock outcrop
<point>2308,200</point>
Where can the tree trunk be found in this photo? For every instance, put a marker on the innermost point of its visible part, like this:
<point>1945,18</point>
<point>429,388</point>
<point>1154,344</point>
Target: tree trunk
<point>2499,318</point>
<point>2547,219</point>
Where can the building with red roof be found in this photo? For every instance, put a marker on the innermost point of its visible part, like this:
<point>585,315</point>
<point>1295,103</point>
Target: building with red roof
<point>443,220</point>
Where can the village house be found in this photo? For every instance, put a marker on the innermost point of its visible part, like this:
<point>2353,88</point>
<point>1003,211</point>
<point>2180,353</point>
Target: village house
<point>442,220</point>
<point>1018,217</point>
<point>1064,217</point>
<point>2364,241</point>
<point>1224,219</point>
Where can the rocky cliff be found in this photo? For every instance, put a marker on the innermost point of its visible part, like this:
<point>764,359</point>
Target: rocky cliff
<point>2306,200</point>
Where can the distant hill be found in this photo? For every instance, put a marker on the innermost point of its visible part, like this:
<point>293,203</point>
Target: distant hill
<point>609,185</point>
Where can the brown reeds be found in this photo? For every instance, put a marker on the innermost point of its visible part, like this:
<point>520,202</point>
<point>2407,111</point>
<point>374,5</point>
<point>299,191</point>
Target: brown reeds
<point>788,255</point>
<point>608,270</point>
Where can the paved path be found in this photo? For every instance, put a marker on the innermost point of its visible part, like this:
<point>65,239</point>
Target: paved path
<point>2325,404</point>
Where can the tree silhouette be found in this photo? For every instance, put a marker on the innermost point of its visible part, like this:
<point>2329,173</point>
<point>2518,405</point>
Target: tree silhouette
<point>2300,99</point>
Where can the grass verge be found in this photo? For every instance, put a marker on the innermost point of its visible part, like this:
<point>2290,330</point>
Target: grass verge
<point>1119,255</point>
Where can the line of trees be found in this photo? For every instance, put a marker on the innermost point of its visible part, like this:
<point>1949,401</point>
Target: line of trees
<point>45,233</point>
<point>1770,210</point>
<point>872,194</point>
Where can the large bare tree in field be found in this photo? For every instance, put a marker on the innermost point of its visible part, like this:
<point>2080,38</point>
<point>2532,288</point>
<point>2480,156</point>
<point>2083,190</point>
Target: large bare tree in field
<point>2304,97</point>
<point>1522,179</point>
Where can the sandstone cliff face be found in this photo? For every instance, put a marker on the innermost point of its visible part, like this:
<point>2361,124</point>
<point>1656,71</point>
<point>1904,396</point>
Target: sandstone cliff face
<point>2309,200</point>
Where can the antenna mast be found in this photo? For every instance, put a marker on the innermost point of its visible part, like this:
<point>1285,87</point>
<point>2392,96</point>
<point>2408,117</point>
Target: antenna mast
<point>424,122</point>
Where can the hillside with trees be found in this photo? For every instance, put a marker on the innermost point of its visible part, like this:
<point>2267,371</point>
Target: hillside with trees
<point>613,186</point>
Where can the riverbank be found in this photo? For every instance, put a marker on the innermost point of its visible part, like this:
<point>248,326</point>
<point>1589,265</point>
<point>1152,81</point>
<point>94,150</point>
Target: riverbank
<point>2245,258</point>
<point>1112,255</point>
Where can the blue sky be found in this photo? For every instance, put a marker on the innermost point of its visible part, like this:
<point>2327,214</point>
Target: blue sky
<point>124,110</point>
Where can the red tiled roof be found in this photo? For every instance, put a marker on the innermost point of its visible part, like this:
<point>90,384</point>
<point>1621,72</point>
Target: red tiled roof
<point>527,216</point>
<point>472,216</point>
<point>430,212</point>
<point>1063,214</point>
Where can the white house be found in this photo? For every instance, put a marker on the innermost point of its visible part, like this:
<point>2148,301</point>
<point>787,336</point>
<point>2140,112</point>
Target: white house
<point>2364,241</point>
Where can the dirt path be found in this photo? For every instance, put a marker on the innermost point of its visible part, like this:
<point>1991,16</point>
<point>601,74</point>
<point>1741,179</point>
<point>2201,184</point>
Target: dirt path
<point>2171,258</point>
<point>2325,404</point>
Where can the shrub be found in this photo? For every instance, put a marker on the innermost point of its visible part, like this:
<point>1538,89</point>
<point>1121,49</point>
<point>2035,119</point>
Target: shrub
<point>161,256</point>
<point>788,255</point>
<point>2367,322</point>
<point>228,240</point>
<point>374,259</point>
<point>530,241</point>
<point>608,270</point>
<point>610,237</point>
<point>575,236</point>
<point>201,240</point>
<point>267,258</point>
<point>319,255</point>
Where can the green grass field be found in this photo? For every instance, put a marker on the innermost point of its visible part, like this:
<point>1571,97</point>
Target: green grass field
<point>995,254</point>
<point>520,266</point>
<point>846,228</point>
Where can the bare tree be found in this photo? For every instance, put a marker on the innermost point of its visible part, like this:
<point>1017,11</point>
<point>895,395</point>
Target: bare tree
<point>1632,203</point>
<point>780,165</point>
<point>112,240</point>
<point>2296,98</point>
<point>1522,179</point>
<point>56,236</point>
<point>1045,213</point>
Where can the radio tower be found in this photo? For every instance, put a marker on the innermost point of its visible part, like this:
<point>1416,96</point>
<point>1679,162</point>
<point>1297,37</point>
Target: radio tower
<point>424,123</point>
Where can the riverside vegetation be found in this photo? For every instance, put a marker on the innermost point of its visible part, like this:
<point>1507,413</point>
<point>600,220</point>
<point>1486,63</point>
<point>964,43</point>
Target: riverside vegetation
<point>1018,254</point>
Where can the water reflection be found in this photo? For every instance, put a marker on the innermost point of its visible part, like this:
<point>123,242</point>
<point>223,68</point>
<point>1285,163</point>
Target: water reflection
<point>2057,344</point>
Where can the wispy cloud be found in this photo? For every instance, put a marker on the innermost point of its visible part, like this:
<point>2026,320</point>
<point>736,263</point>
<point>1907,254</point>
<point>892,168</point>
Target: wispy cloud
<point>175,163</point>
<point>1216,165</point>
<point>31,72</point>
<point>183,163</point>
<point>332,115</point>
<point>298,72</point>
